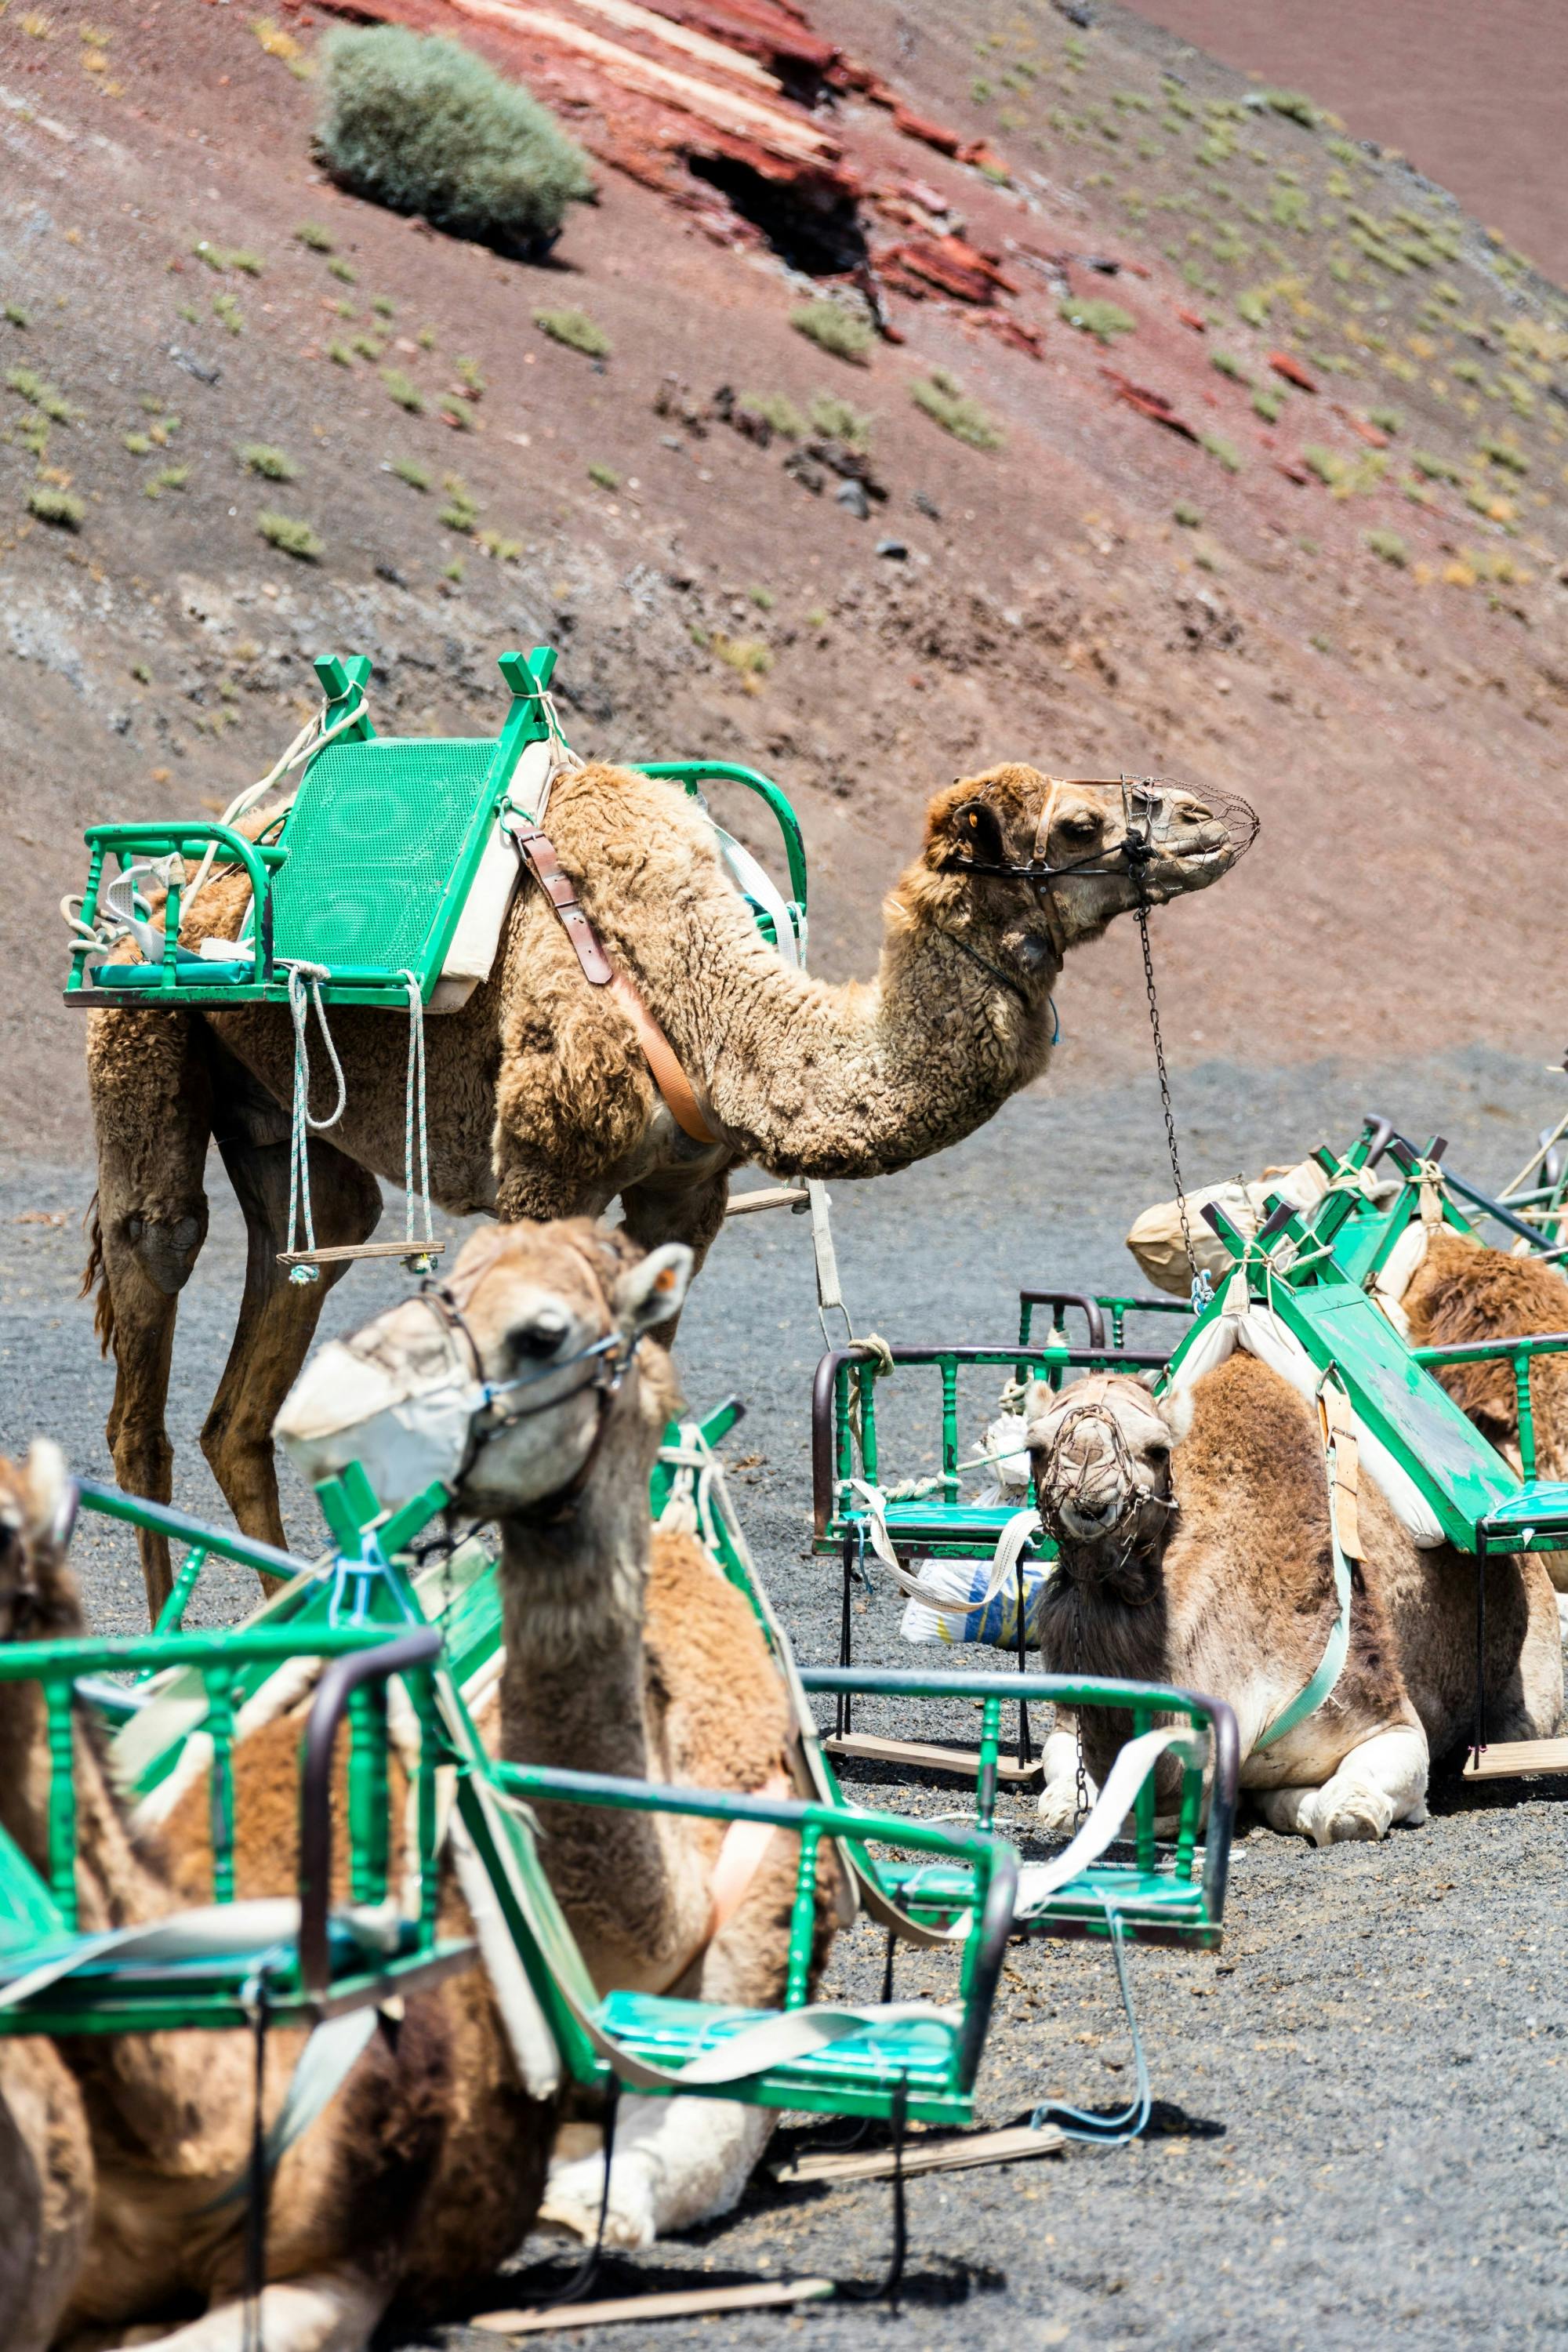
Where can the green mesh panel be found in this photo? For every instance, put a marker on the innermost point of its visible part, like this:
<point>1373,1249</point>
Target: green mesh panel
<point>376,843</point>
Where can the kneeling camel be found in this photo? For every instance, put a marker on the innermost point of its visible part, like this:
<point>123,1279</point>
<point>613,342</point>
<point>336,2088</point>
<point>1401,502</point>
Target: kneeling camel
<point>1195,1549</point>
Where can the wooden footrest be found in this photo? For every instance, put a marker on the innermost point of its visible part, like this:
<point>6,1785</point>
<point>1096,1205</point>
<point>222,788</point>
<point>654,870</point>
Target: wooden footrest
<point>1508,1759</point>
<point>777,1196</point>
<point>949,2152</point>
<point>923,1756</point>
<point>695,2303</point>
<point>337,1254</point>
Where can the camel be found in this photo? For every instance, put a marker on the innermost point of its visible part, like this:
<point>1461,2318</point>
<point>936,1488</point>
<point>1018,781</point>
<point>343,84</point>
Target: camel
<point>1195,1549</point>
<point>1462,1290</point>
<point>541,1104</point>
<point>426,2172</point>
<point>626,1653</point>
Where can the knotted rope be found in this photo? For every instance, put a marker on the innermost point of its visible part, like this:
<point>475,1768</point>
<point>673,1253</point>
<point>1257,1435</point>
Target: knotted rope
<point>303,977</point>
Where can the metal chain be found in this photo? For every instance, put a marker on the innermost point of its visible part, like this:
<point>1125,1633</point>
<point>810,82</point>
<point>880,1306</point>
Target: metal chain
<point>1202,1288</point>
<point>1080,1781</point>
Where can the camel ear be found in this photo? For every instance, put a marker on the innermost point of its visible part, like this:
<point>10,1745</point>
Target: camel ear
<point>52,1495</point>
<point>653,1290</point>
<point>975,829</point>
<point>1038,1398</point>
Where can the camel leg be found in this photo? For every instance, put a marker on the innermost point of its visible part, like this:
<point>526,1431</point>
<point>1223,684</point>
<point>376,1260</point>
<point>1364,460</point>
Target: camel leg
<point>690,1212</point>
<point>676,2162</point>
<point>1058,1806</point>
<point>1381,1782</point>
<point>277,1318</point>
<point>1524,1694</point>
<point>152,1108</point>
<point>334,2310</point>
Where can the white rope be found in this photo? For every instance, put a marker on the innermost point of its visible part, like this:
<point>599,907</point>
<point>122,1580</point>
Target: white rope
<point>303,977</point>
<point>413,1114</point>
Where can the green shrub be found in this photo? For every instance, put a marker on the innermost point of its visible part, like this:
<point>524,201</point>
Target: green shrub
<point>167,477</point>
<point>1387,420</point>
<point>1328,467</point>
<point>270,464</point>
<point>1221,452</point>
<point>31,386</point>
<point>461,511</point>
<point>1229,366</point>
<point>575,330</point>
<point>1291,103</point>
<point>459,416</point>
<point>402,389</point>
<point>384,306</point>
<point>833,329</point>
<point>56,506</point>
<point>1506,454</point>
<point>1390,547</point>
<point>227,310</point>
<point>1267,402</point>
<point>1436,469</point>
<point>749,655</point>
<point>945,402</point>
<point>777,409</point>
<point>1104,321</point>
<point>15,316</point>
<point>408,470</point>
<point>602,477</point>
<point>340,355</point>
<point>422,125</point>
<point>839,421</point>
<point>1186,514</point>
<point>316,238</point>
<point>367,347</point>
<point>343,271</point>
<point>138,444</point>
<point>289,533</point>
<point>499,550</point>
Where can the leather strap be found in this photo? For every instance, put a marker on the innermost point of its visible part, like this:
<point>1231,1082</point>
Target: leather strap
<point>538,854</point>
<point>739,1859</point>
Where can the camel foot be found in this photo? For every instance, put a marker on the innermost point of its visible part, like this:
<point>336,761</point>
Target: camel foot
<point>328,2312</point>
<point>1381,1782</point>
<point>1059,1804</point>
<point>676,2162</point>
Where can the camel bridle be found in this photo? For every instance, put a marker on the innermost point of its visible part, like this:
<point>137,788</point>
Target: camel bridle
<point>1060,1480</point>
<point>610,1359</point>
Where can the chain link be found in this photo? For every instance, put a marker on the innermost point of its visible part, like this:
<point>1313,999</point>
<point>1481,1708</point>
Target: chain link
<point>1202,1288</point>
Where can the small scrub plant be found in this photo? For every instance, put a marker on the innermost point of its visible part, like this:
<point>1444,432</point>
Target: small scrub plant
<point>837,420</point>
<point>1387,420</point>
<point>343,271</point>
<point>167,477</point>
<point>318,239</point>
<point>499,550</point>
<point>1229,365</point>
<point>602,477</point>
<point>748,655</point>
<point>575,330</point>
<point>408,470</point>
<point>1103,320</point>
<point>762,598</point>
<point>404,391</point>
<point>1294,106</point>
<point>228,312</point>
<point>36,25</point>
<point>1222,451</point>
<point>15,316</point>
<point>943,399</point>
<point>30,386</point>
<point>284,48</point>
<point>340,355</point>
<point>1186,514</point>
<point>833,327</point>
<point>141,673</point>
<point>1434,470</point>
<point>291,535</point>
<point>1267,402</point>
<point>456,413</point>
<point>1329,467</point>
<point>1506,454</point>
<point>1389,546</point>
<point>473,382</point>
<point>366,347</point>
<point>817,617</point>
<point>272,465</point>
<point>425,339</point>
<point>778,410</point>
<point>139,443</point>
<point>51,504</point>
<point>423,126</point>
<point>461,511</point>
<point>384,306</point>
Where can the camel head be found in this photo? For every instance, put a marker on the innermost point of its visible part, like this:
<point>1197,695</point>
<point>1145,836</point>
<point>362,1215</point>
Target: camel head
<point>1101,1453</point>
<point>499,1381</point>
<point>39,1600</point>
<point>1050,863</point>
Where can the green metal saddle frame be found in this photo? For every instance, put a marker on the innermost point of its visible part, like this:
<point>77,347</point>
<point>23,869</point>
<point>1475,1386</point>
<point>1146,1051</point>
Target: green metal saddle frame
<point>374,859</point>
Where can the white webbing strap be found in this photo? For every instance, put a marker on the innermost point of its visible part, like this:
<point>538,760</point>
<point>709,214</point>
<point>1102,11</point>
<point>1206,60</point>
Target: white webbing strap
<point>415,1123</point>
<point>1038,1880</point>
<point>1018,1530</point>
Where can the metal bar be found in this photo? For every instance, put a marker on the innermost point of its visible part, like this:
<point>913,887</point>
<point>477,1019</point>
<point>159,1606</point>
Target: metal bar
<point>238,1646</point>
<point>1059,1301</point>
<point>170,1618</point>
<point>421,1647</point>
<point>138,1512</point>
<point>692,771</point>
<point>949,1373</point>
<point>368,1844</point>
<point>1479,1351</point>
<point>1520,1360</point>
<point>58,1699</point>
<point>219,1727</point>
<point>985,1789</point>
<point>803,1923</point>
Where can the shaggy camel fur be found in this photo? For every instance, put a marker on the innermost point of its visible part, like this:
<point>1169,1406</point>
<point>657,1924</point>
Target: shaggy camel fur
<point>1461,1291</point>
<point>627,1652</point>
<point>116,2154</point>
<point>1232,1592</point>
<point>541,1104</point>
<point>47,2180</point>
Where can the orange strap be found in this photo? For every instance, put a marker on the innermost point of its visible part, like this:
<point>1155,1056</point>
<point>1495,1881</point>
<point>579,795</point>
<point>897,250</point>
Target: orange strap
<point>537,853</point>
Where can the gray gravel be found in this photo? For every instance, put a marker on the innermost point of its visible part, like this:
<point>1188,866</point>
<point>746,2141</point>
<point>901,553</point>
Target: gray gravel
<point>1362,2134</point>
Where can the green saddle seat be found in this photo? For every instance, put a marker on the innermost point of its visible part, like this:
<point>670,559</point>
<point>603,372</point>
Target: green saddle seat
<point>380,837</point>
<point>1157,1905</point>
<point>928,1521</point>
<point>919,2052</point>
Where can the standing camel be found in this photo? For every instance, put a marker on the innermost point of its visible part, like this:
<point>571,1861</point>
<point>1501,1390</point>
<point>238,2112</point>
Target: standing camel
<point>541,1104</point>
<point>627,1652</point>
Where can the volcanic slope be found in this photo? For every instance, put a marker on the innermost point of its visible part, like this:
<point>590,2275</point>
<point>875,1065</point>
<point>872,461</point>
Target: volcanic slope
<point>1263,483</point>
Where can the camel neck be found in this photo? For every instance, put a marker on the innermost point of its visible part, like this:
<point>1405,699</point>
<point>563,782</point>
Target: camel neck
<point>116,1883</point>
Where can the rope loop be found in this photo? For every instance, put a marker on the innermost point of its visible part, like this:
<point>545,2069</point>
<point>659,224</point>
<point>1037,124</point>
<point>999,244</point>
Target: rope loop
<point>415,1121</point>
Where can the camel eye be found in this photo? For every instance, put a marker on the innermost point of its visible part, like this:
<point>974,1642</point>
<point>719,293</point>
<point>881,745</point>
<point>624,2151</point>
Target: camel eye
<point>1159,1451</point>
<point>1081,828</point>
<point>541,1336</point>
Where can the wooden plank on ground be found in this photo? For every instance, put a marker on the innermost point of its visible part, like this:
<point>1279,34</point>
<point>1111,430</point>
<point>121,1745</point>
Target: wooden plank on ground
<point>694,2304</point>
<point>924,1756</point>
<point>1505,1760</point>
<point>946,2153</point>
